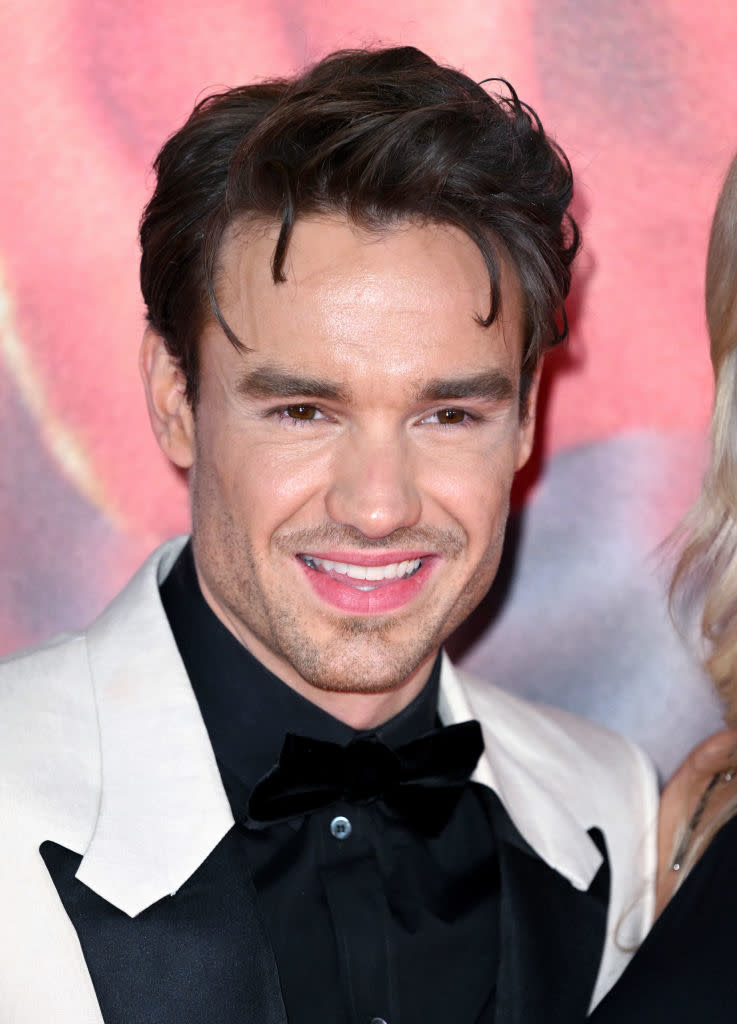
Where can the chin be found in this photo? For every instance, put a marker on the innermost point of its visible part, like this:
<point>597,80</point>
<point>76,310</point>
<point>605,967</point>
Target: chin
<point>376,666</point>
<point>355,684</point>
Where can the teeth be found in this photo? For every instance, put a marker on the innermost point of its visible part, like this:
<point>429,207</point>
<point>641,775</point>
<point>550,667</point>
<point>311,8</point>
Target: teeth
<point>374,573</point>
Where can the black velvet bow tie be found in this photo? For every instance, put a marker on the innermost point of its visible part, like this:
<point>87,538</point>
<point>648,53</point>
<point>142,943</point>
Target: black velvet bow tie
<point>421,781</point>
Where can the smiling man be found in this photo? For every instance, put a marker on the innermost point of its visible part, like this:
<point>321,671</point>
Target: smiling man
<point>255,789</point>
<point>352,461</point>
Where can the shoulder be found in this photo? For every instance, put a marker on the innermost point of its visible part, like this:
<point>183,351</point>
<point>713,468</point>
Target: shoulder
<point>52,678</point>
<point>49,745</point>
<point>50,739</point>
<point>57,675</point>
<point>582,757</point>
<point>579,770</point>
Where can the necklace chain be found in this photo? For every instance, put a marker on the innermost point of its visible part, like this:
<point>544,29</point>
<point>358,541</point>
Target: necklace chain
<point>696,817</point>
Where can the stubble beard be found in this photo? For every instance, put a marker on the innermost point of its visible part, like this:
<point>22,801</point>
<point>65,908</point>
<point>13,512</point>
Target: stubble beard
<point>363,654</point>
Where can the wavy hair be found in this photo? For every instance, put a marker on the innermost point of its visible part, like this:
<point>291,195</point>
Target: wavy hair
<point>377,136</point>
<point>706,573</point>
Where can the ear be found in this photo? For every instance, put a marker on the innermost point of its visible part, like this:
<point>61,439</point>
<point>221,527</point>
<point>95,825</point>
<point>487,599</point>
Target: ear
<point>527,419</point>
<point>170,413</point>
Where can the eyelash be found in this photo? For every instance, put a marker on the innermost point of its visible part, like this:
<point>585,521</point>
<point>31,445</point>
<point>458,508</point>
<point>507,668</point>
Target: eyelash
<point>467,421</point>
<point>282,413</point>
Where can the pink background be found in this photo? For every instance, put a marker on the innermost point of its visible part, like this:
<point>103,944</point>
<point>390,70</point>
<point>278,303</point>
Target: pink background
<point>640,93</point>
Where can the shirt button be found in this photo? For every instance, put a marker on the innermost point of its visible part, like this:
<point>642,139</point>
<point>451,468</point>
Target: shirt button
<point>340,827</point>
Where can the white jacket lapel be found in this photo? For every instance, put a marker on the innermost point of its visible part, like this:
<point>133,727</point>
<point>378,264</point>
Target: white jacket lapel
<point>516,744</point>
<point>163,808</point>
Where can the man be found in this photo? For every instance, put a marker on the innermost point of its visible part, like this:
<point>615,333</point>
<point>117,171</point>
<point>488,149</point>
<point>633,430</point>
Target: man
<point>231,798</point>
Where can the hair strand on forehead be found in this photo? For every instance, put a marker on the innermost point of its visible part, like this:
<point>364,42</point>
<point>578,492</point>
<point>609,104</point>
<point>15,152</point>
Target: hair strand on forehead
<point>379,137</point>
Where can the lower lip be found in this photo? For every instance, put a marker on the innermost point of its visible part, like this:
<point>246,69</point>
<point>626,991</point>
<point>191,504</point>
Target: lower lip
<point>387,597</point>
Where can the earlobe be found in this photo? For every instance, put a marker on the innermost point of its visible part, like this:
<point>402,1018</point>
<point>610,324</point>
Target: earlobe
<point>169,410</point>
<point>528,418</point>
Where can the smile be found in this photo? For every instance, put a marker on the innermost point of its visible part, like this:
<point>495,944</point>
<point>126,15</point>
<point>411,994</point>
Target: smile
<point>374,575</point>
<point>375,589</point>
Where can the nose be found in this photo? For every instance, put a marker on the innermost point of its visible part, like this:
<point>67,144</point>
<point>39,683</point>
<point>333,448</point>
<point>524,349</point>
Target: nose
<point>374,486</point>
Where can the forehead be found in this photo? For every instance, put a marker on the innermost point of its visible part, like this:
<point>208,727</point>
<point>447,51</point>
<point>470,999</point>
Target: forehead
<point>366,295</point>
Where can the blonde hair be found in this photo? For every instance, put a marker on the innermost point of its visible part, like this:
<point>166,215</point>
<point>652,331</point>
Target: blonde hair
<point>707,569</point>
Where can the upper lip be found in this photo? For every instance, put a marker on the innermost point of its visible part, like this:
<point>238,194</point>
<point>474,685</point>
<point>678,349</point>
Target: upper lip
<point>367,558</point>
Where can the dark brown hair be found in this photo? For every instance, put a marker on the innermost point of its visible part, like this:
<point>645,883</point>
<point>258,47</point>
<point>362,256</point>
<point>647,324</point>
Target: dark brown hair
<point>378,136</point>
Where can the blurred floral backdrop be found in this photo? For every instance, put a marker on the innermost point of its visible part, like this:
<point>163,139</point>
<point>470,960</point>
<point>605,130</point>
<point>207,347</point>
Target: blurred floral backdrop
<point>640,93</point>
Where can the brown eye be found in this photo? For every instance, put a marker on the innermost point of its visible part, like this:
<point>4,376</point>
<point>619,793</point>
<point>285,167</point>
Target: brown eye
<point>451,416</point>
<point>301,412</point>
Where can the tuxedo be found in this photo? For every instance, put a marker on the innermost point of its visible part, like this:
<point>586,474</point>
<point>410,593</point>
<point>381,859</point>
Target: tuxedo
<point>103,752</point>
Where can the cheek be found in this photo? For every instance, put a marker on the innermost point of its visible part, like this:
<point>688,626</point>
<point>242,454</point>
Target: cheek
<point>290,476</point>
<point>257,486</point>
<point>475,491</point>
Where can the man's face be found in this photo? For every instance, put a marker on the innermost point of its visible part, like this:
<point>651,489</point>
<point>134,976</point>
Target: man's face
<point>351,470</point>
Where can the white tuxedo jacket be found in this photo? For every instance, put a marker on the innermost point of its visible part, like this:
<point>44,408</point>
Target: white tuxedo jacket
<point>103,750</point>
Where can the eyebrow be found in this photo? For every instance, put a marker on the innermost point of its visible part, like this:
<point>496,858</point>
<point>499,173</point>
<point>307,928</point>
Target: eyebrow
<point>268,382</point>
<point>493,386</point>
